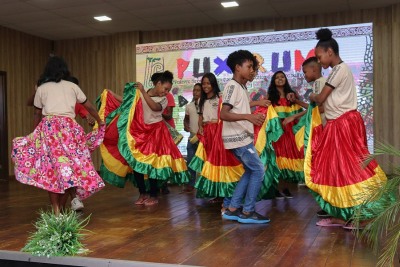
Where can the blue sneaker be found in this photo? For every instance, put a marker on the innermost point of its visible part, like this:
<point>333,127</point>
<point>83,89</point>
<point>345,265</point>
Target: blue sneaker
<point>253,217</point>
<point>231,215</point>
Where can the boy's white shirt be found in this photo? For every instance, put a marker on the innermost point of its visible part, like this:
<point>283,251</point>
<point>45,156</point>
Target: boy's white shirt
<point>237,133</point>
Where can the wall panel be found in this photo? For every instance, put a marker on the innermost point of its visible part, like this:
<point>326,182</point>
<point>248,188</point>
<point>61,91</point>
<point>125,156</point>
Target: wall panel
<point>22,57</point>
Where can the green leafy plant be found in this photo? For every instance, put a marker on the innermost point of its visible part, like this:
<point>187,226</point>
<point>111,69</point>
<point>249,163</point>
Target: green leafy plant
<point>382,232</point>
<point>57,235</point>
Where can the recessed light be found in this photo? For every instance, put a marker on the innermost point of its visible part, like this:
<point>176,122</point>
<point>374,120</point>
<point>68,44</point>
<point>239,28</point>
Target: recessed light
<point>229,4</point>
<point>102,18</point>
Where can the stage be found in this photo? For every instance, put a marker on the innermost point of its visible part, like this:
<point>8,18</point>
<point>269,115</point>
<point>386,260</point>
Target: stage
<point>188,231</point>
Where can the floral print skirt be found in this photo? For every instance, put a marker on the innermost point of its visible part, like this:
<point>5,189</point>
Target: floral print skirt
<point>56,156</point>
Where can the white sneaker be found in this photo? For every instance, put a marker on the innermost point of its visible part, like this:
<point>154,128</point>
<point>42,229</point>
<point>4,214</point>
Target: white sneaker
<point>76,204</point>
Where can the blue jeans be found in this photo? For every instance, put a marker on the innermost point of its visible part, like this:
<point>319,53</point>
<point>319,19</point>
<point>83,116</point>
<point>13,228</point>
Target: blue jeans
<point>191,151</point>
<point>250,182</point>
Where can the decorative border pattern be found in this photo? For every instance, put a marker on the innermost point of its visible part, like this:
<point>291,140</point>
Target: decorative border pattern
<point>249,40</point>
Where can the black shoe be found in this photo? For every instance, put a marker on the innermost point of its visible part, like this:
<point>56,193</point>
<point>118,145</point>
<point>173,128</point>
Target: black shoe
<point>253,217</point>
<point>278,195</point>
<point>286,193</point>
<point>231,215</point>
<point>323,214</point>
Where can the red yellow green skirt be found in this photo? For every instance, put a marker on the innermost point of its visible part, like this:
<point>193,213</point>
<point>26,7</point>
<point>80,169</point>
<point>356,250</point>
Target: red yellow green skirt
<point>132,144</point>
<point>114,169</point>
<point>220,170</point>
<point>289,158</point>
<point>335,168</point>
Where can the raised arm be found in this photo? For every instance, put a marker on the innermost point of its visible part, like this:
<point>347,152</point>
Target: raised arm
<point>117,97</point>
<point>90,108</point>
<point>154,106</point>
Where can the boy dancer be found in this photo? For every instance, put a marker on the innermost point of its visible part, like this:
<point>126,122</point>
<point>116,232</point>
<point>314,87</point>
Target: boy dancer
<point>238,135</point>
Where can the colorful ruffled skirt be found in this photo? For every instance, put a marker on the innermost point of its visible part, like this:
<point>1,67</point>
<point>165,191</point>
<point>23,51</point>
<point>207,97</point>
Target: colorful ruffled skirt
<point>113,169</point>
<point>335,165</point>
<point>289,158</point>
<point>56,157</point>
<point>132,145</point>
<point>220,170</point>
<point>265,135</point>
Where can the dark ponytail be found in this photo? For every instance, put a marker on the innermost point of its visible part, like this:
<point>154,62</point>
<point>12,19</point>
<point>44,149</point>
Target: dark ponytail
<point>326,41</point>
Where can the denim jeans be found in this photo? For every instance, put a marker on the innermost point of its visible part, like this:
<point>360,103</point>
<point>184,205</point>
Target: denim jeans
<point>191,151</point>
<point>250,183</point>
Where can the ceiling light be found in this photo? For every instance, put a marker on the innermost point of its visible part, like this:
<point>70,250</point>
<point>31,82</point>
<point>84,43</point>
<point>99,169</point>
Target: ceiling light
<point>102,18</point>
<point>229,4</point>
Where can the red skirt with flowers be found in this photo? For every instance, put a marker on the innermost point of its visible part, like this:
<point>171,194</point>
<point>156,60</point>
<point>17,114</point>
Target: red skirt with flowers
<point>56,156</point>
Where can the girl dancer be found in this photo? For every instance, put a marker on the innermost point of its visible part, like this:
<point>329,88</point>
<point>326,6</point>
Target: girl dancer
<point>334,168</point>
<point>56,156</point>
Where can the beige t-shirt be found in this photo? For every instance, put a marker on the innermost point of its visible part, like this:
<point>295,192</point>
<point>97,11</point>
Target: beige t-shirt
<point>317,87</point>
<point>210,109</point>
<point>58,98</point>
<point>344,95</point>
<point>192,112</point>
<point>237,133</point>
<point>151,116</point>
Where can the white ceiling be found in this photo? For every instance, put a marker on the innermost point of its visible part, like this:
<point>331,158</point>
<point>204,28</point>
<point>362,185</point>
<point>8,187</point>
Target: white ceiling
<point>67,19</point>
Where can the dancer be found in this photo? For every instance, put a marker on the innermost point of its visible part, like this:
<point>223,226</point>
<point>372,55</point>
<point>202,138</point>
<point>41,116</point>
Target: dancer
<point>219,169</point>
<point>238,136</point>
<point>334,165</point>
<point>290,160</point>
<point>143,141</point>
<point>56,156</point>
<point>191,125</point>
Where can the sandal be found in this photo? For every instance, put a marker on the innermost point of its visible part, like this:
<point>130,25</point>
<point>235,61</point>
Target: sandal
<point>216,200</point>
<point>141,200</point>
<point>352,226</point>
<point>151,202</point>
<point>329,222</point>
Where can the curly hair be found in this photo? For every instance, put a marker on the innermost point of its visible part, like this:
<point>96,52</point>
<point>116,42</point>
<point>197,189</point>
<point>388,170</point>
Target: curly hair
<point>239,57</point>
<point>55,70</point>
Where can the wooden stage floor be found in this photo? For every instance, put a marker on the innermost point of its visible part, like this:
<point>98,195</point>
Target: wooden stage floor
<point>189,231</point>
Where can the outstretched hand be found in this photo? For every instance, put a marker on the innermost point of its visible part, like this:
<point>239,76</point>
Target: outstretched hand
<point>291,97</point>
<point>90,121</point>
<point>256,119</point>
<point>139,86</point>
<point>264,103</point>
<point>287,120</point>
